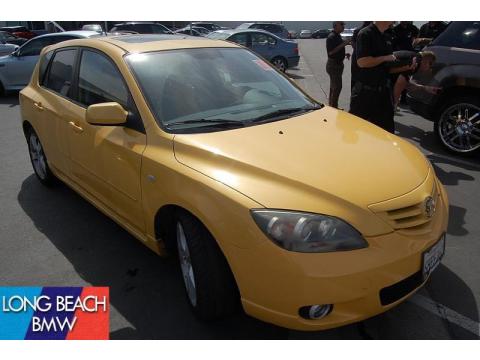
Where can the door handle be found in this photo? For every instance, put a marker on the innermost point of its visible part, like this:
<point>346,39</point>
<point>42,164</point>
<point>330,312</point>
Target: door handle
<point>75,127</point>
<point>38,105</point>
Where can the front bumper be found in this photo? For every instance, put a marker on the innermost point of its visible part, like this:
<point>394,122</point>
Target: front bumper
<point>275,283</point>
<point>420,107</point>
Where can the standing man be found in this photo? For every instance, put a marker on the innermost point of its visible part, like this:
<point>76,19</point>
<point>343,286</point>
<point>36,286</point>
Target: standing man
<point>354,66</point>
<point>404,35</point>
<point>372,97</point>
<point>336,55</point>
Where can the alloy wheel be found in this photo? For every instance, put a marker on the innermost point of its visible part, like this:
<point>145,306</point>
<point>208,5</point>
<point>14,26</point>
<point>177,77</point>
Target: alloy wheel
<point>459,127</point>
<point>38,156</point>
<point>279,64</point>
<point>186,264</point>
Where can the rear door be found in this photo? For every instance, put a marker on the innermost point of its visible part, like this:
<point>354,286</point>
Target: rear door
<point>262,44</point>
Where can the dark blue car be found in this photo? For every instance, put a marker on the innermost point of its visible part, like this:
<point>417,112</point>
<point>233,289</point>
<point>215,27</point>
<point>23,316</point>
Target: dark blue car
<point>280,52</point>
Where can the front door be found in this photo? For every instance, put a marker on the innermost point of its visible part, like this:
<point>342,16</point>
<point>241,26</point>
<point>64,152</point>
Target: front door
<point>106,160</point>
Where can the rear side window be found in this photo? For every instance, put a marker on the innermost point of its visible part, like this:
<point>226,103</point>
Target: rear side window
<point>43,67</point>
<point>60,75</point>
<point>462,34</point>
<point>35,46</point>
<point>241,39</point>
<point>99,81</point>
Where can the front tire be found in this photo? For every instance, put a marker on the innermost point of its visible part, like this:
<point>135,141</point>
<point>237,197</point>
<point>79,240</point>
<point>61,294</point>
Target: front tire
<point>38,159</point>
<point>458,125</point>
<point>209,282</point>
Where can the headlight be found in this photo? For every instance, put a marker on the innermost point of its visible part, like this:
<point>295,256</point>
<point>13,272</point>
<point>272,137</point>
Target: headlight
<point>308,233</point>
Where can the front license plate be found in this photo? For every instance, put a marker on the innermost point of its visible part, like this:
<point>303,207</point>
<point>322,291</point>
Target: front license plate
<point>432,257</point>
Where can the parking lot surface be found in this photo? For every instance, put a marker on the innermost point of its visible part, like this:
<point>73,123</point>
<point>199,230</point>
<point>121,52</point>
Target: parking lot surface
<point>52,237</point>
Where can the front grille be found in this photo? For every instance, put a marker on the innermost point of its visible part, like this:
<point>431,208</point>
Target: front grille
<point>395,292</point>
<point>412,219</point>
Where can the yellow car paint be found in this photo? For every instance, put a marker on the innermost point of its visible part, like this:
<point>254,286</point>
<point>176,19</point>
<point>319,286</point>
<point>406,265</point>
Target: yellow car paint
<point>326,161</point>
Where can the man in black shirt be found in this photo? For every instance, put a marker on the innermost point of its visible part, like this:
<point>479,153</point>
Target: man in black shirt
<point>371,97</point>
<point>354,66</point>
<point>429,31</point>
<point>403,36</point>
<point>336,54</point>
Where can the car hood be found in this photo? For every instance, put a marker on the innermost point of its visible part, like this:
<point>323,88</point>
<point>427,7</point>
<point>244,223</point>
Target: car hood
<point>320,161</point>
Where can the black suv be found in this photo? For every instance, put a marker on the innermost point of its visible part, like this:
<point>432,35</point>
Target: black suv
<point>455,110</point>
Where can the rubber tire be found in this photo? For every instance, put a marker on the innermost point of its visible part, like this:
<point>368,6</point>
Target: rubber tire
<point>216,290</point>
<point>284,63</point>
<point>471,99</point>
<point>50,179</point>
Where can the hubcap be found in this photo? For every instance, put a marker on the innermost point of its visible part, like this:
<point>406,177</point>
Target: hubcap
<point>459,127</point>
<point>38,157</point>
<point>279,64</point>
<point>186,264</point>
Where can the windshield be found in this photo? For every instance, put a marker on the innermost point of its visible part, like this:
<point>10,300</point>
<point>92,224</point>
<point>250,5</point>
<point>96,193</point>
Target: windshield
<point>188,88</point>
<point>216,35</point>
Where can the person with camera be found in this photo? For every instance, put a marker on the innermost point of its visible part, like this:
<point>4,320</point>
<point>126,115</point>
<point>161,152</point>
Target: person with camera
<point>372,96</point>
<point>336,55</point>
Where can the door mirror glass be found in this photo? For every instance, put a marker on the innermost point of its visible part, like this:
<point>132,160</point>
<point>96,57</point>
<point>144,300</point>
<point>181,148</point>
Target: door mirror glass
<point>107,114</point>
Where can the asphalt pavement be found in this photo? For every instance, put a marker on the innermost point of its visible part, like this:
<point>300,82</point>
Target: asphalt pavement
<point>52,237</point>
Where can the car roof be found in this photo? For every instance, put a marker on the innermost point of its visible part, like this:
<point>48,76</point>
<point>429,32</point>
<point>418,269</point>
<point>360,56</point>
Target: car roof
<point>238,31</point>
<point>138,43</point>
<point>78,33</point>
<point>138,23</point>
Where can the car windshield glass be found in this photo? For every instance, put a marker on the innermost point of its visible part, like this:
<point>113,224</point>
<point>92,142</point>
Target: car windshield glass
<point>228,84</point>
<point>218,35</point>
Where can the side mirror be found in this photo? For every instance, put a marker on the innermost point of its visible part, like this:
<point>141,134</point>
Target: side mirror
<point>107,114</point>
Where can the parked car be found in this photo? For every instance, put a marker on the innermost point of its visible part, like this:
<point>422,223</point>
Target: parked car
<point>455,110</point>
<point>19,31</point>
<point>142,28</point>
<point>192,31</point>
<point>93,27</point>
<point>280,52</point>
<point>347,34</point>
<point>321,33</point>
<point>7,38</point>
<point>207,25</point>
<point>16,68</point>
<point>305,34</point>
<point>194,147</point>
<point>276,29</point>
<point>6,49</point>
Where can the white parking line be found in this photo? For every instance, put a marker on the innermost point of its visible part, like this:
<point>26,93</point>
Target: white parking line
<point>446,313</point>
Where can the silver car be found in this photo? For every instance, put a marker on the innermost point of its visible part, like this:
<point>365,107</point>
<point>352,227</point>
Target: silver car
<point>6,49</point>
<point>17,68</point>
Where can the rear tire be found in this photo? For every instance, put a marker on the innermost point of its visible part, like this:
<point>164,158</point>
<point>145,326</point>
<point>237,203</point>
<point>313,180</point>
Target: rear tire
<point>39,159</point>
<point>209,283</point>
<point>454,130</point>
<point>280,63</point>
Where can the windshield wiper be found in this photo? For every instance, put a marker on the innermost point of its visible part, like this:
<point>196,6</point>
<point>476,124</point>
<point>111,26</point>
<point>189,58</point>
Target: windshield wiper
<point>224,123</point>
<point>282,112</point>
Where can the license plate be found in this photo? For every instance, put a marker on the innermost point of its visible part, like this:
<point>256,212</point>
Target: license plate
<point>432,257</point>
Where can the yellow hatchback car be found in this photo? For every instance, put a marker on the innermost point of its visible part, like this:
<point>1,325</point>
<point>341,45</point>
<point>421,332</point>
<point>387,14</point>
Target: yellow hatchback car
<point>309,217</point>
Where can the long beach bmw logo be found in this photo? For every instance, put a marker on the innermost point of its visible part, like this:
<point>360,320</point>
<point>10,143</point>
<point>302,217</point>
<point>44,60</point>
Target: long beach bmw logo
<point>429,206</point>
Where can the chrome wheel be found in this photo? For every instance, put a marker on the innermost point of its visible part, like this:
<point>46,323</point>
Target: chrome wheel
<point>279,64</point>
<point>459,127</point>
<point>38,156</point>
<point>186,264</point>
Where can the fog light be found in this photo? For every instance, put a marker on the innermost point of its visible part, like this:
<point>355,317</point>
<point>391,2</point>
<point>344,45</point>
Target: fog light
<point>315,312</point>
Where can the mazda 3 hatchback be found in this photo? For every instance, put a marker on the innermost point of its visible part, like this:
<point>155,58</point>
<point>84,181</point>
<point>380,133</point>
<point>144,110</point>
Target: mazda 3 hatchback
<point>305,215</point>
